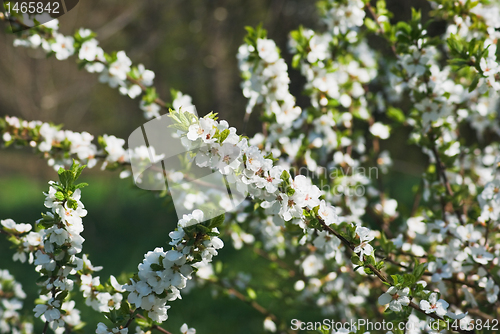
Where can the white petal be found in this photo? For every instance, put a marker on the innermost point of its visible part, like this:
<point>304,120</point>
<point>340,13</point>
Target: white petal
<point>384,299</point>
<point>404,300</point>
<point>395,306</point>
<point>425,306</point>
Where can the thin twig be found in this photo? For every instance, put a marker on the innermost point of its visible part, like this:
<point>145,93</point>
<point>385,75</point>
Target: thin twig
<point>245,299</point>
<point>442,174</point>
<point>45,327</point>
<point>274,259</point>
<point>418,197</point>
<point>382,277</point>
<point>158,328</point>
<point>481,314</point>
<point>380,29</point>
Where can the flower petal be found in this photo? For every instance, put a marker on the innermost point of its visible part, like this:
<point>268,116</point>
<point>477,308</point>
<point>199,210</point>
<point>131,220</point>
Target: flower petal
<point>384,299</point>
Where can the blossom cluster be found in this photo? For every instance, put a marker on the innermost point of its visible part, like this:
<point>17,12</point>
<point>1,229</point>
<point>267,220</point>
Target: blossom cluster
<point>60,147</point>
<point>335,80</point>
<point>162,274</point>
<point>11,302</point>
<point>266,81</point>
<point>235,158</point>
<point>342,17</point>
<point>55,269</point>
<point>53,249</point>
<point>62,241</point>
<point>101,300</point>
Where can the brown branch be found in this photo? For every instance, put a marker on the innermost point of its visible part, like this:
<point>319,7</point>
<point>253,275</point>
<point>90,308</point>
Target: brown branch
<point>45,327</point>
<point>418,197</point>
<point>158,328</point>
<point>454,280</point>
<point>5,232</point>
<point>158,101</point>
<point>380,29</point>
<point>274,259</point>
<point>382,277</point>
<point>451,279</point>
<point>245,299</point>
<point>11,19</point>
<point>377,272</point>
<point>379,218</point>
<point>481,314</point>
<point>442,174</point>
<point>132,316</point>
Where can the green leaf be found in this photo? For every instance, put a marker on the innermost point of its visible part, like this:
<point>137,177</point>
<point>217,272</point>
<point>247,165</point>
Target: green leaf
<point>125,306</point>
<point>296,60</point>
<point>41,280</point>
<point>14,240</point>
<point>370,24</point>
<point>251,293</point>
<point>59,195</point>
<point>156,267</point>
<point>72,204</point>
<point>419,269</point>
<point>409,279</point>
<point>77,169</point>
<point>396,114</point>
<point>223,135</point>
<point>80,325</point>
<point>474,83</point>
<point>218,267</point>
<point>453,44</point>
<point>369,260</point>
<point>356,260</point>
<point>145,323</point>
<point>61,296</point>
<point>81,185</point>
<point>217,221</point>
<point>65,178</point>
<point>202,228</point>
<point>285,176</point>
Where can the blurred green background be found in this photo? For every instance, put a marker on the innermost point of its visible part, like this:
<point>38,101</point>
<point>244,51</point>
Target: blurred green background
<point>191,45</point>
